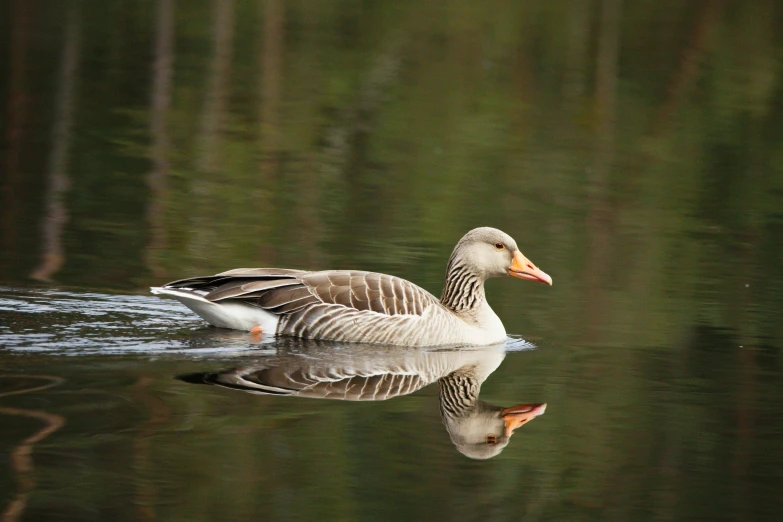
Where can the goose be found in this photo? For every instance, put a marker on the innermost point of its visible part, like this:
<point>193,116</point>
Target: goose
<point>367,307</point>
<point>361,372</point>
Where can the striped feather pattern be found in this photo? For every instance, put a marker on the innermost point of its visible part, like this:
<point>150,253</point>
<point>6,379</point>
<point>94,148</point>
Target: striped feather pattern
<point>358,372</point>
<point>336,383</point>
<point>463,289</point>
<point>458,393</point>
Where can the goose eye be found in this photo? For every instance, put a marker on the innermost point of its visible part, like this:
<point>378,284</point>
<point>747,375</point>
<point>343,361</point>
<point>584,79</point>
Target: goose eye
<point>491,440</point>
<point>500,246</point>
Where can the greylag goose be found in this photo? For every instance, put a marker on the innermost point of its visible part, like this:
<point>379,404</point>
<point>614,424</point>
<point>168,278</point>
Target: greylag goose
<point>355,306</point>
<point>359,372</point>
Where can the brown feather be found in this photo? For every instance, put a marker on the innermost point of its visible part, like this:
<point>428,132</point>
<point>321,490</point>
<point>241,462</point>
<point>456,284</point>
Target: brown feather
<point>343,297</point>
<point>280,296</point>
<point>239,288</point>
<point>337,278</point>
<point>262,272</point>
<point>293,306</point>
<point>286,292</point>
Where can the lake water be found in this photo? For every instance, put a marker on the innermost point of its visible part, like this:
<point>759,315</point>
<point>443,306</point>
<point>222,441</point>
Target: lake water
<point>633,149</point>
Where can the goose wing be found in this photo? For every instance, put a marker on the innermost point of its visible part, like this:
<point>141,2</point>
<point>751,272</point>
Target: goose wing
<point>283,291</point>
<point>340,383</point>
<point>369,291</point>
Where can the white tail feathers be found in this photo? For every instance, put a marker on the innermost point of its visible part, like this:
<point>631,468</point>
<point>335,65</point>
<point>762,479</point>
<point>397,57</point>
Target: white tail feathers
<point>233,314</point>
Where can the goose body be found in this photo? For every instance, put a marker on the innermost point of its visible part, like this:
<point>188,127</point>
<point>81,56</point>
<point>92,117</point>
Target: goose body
<point>367,307</point>
<point>359,372</point>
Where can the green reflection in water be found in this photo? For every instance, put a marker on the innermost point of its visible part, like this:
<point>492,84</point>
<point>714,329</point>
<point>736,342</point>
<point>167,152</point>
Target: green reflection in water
<point>633,149</point>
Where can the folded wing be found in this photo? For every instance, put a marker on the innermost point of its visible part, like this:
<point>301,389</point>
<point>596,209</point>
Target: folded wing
<point>283,291</point>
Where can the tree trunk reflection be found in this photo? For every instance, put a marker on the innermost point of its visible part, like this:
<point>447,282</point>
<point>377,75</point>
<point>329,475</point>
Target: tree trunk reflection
<point>56,213</point>
<point>161,100</point>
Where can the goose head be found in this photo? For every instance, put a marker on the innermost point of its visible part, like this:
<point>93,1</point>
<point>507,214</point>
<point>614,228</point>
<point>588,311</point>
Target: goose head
<point>484,431</point>
<point>488,252</point>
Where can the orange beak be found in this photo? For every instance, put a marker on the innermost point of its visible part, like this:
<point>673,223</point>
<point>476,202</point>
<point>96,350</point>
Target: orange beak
<point>518,415</point>
<point>522,268</point>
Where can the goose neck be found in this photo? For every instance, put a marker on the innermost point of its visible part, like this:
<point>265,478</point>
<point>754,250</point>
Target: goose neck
<point>459,393</point>
<point>463,290</point>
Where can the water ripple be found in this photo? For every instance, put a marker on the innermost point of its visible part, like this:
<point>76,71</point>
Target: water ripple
<point>86,323</point>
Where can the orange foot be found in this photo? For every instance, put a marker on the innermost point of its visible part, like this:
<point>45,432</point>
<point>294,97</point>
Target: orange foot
<point>256,330</point>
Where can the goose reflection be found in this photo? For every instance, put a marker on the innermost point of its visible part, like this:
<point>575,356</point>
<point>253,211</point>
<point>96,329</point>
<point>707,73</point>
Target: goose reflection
<point>357,372</point>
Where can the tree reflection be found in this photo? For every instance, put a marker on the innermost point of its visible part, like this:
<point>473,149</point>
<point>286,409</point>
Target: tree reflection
<point>21,456</point>
<point>56,214</point>
<point>160,102</point>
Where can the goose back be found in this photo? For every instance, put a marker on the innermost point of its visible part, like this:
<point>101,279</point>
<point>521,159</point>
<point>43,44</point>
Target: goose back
<point>341,305</point>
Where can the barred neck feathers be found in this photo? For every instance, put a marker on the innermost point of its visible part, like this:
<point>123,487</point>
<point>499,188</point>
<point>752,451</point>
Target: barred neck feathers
<point>458,393</point>
<point>464,289</point>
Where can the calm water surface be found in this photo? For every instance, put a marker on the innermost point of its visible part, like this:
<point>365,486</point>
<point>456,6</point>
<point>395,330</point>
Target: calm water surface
<point>634,149</point>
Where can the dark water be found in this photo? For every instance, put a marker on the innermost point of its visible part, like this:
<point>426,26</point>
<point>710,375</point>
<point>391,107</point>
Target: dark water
<point>634,149</point>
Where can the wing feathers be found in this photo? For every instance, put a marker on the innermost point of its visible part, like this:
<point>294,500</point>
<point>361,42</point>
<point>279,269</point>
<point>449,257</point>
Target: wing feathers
<point>280,296</point>
<point>308,297</point>
<point>262,272</point>
<point>238,288</point>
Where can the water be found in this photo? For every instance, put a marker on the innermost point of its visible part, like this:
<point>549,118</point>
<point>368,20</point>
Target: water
<point>633,149</point>
<point>90,385</point>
